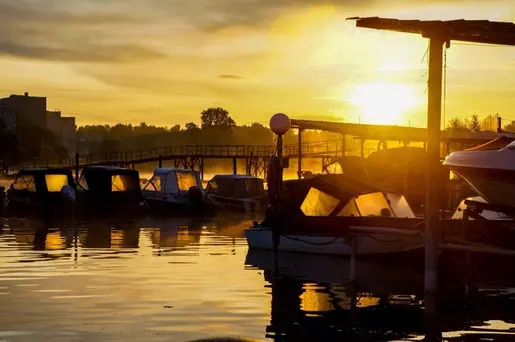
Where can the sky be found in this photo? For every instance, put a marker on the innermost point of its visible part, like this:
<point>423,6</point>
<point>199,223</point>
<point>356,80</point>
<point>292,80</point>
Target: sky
<point>164,61</point>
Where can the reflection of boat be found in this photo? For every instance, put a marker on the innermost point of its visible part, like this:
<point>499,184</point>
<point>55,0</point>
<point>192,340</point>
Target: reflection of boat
<point>175,189</point>
<point>371,276</point>
<point>39,189</point>
<point>241,192</point>
<point>317,214</point>
<point>105,190</point>
<point>489,170</point>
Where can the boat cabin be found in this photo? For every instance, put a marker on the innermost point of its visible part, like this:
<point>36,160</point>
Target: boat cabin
<point>340,195</point>
<point>238,191</point>
<point>39,187</point>
<point>172,185</point>
<point>107,187</point>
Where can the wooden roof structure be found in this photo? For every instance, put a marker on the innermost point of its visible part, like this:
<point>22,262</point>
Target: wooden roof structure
<point>474,31</point>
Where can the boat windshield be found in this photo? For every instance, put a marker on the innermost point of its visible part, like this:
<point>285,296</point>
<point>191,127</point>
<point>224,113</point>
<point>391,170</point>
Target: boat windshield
<point>318,203</point>
<point>123,183</point>
<point>511,145</point>
<point>25,182</point>
<point>186,180</point>
<point>55,183</point>
<point>373,204</point>
<point>154,184</point>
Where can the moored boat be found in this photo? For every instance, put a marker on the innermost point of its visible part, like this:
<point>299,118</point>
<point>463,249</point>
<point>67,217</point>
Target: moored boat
<point>175,190</point>
<point>238,192</point>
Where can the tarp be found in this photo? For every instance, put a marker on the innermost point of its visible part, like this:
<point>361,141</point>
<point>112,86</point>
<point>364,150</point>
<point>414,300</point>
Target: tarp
<point>495,144</point>
<point>237,186</point>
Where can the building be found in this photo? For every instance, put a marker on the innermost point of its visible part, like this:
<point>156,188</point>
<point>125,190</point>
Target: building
<point>64,129</point>
<point>8,119</point>
<point>30,109</point>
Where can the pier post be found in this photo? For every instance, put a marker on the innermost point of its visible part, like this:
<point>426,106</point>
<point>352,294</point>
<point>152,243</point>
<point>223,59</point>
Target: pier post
<point>160,161</point>
<point>432,222</point>
<point>299,150</point>
<point>362,146</point>
<point>234,166</point>
<point>353,257</point>
<point>77,161</point>
<point>202,169</point>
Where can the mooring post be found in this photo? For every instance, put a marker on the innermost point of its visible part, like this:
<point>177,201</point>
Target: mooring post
<point>299,150</point>
<point>77,160</point>
<point>234,166</point>
<point>353,257</point>
<point>160,161</point>
<point>432,222</point>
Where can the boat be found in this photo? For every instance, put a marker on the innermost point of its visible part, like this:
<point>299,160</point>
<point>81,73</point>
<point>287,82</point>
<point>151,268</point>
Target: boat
<point>320,215</point>
<point>106,190</point>
<point>239,192</point>
<point>489,170</point>
<point>39,190</point>
<point>175,189</point>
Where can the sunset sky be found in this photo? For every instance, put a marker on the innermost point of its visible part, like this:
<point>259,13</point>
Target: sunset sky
<point>163,61</point>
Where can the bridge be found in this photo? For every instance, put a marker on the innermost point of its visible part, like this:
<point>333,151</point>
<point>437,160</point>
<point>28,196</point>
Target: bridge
<point>193,156</point>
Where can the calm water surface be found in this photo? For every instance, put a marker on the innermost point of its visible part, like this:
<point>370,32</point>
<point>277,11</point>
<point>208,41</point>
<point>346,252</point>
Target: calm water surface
<point>184,279</point>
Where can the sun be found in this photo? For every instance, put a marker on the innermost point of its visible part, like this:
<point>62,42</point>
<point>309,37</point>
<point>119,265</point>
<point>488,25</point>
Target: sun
<point>383,103</point>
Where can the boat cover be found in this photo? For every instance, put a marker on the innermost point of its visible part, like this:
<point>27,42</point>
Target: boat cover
<point>495,144</point>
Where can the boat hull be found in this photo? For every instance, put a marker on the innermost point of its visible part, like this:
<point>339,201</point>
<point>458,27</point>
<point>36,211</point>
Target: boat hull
<point>497,187</point>
<point>378,244</point>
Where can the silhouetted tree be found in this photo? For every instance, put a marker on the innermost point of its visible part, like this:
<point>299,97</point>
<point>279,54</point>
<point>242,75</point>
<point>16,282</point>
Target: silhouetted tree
<point>474,125</point>
<point>216,117</point>
<point>110,145</point>
<point>458,125</point>
<point>510,127</point>
<point>191,126</point>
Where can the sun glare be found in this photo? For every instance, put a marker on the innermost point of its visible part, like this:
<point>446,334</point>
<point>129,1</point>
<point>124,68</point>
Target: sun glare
<point>383,103</point>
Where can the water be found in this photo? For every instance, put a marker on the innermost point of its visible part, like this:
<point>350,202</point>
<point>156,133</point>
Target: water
<point>183,279</point>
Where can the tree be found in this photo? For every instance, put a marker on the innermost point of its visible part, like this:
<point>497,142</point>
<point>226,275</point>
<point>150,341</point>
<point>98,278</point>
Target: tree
<point>191,126</point>
<point>110,145</point>
<point>474,125</point>
<point>216,117</point>
<point>458,125</point>
<point>510,127</point>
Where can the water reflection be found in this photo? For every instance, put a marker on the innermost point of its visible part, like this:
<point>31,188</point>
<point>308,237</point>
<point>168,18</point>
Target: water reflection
<point>314,300</point>
<point>185,279</point>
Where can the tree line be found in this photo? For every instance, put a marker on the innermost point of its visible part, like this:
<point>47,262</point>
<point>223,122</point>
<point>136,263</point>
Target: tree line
<point>217,127</point>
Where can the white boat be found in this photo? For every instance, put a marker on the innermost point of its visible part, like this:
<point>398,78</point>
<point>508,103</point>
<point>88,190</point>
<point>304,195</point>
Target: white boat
<point>173,188</point>
<point>489,170</point>
<point>330,200</point>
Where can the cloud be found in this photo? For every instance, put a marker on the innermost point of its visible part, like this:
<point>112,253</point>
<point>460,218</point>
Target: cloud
<point>230,77</point>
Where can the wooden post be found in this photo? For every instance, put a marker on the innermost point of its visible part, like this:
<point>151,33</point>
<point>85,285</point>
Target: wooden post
<point>362,142</point>
<point>299,149</point>
<point>77,161</point>
<point>499,124</point>
<point>353,257</point>
<point>234,165</point>
<point>202,169</point>
<point>160,161</point>
<point>432,223</point>
<point>343,145</point>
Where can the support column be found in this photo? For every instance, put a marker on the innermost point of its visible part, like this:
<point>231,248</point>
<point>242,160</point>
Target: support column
<point>160,161</point>
<point>432,223</point>
<point>234,166</point>
<point>343,145</point>
<point>77,161</point>
<point>202,169</point>
<point>299,156</point>
<point>362,143</point>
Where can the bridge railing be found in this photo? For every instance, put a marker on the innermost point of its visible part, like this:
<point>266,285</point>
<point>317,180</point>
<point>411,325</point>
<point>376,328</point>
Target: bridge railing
<point>331,147</point>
